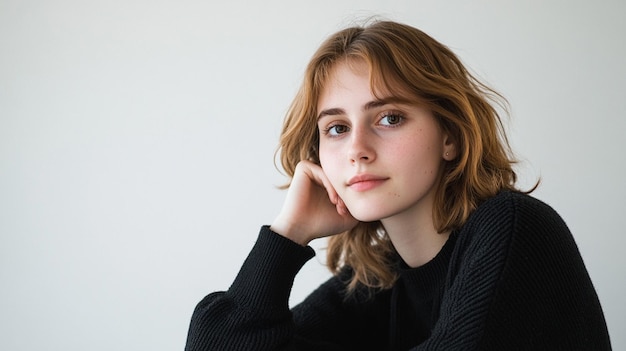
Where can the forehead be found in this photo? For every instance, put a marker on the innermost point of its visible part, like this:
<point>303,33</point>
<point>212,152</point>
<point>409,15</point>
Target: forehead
<point>346,75</point>
<point>353,78</point>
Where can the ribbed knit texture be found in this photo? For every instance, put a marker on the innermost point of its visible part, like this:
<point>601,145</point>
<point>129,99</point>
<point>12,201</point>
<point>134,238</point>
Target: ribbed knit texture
<point>254,313</point>
<point>511,279</point>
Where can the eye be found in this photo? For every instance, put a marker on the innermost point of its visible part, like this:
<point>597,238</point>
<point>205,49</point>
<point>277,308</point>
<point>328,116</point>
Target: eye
<point>336,130</point>
<point>391,119</point>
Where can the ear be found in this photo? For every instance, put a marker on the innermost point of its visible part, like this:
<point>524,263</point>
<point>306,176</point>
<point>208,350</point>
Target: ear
<point>450,149</point>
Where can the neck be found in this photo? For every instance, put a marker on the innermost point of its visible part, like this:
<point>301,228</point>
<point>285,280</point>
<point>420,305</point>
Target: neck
<point>415,238</point>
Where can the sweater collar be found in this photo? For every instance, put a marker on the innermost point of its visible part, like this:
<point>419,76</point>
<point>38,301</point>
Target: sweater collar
<point>430,275</point>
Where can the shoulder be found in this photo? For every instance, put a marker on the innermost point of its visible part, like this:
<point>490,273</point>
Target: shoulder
<point>512,223</point>
<point>515,203</point>
<point>519,233</point>
<point>539,276</point>
<point>517,212</point>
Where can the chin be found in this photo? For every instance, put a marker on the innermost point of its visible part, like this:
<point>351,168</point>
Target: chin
<point>366,215</point>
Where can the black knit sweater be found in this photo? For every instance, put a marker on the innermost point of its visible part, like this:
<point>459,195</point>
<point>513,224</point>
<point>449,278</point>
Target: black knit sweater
<point>511,279</point>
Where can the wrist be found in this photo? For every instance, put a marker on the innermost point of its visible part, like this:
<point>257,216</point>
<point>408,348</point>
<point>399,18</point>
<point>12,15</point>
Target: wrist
<point>289,231</point>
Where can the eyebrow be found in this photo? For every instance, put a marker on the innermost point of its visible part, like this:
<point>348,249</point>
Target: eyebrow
<point>339,111</point>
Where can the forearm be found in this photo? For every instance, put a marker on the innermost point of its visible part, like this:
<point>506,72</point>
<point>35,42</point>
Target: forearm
<point>254,312</point>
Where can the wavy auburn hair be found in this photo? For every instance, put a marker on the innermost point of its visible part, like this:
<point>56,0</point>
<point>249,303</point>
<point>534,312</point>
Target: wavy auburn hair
<point>412,66</point>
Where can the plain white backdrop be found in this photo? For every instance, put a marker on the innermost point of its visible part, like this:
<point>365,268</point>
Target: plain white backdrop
<point>137,144</point>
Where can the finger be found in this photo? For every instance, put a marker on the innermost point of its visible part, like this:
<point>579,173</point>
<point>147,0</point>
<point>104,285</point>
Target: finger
<point>340,208</point>
<point>316,173</point>
<point>343,208</point>
<point>330,189</point>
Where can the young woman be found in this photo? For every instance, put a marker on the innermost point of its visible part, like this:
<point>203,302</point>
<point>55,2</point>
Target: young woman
<point>397,154</point>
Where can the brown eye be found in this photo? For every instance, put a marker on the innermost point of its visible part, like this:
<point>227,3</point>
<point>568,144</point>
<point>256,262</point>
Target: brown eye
<point>336,129</point>
<point>391,120</point>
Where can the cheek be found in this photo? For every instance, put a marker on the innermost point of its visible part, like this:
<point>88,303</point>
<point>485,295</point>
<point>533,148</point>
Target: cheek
<point>323,155</point>
<point>418,157</point>
<point>329,154</point>
<point>330,161</point>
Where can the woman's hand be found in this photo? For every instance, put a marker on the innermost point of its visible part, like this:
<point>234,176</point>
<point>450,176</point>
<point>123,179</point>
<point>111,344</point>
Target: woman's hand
<point>312,208</point>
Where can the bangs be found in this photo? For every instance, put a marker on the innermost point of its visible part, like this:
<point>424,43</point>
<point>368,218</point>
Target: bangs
<point>390,86</point>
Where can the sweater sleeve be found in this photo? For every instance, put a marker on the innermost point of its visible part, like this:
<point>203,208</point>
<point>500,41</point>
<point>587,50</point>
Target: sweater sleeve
<point>254,313</point>
<point>518,282</point>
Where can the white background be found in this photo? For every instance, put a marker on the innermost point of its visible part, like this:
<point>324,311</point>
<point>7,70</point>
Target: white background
<point>137,142</point>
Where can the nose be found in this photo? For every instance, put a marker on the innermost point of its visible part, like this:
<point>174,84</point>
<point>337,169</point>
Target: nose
<point>361,148</point>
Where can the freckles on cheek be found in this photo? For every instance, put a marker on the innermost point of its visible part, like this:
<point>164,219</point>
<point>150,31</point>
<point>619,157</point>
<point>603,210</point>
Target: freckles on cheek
<point>419,159</point>
<point>407,153</point>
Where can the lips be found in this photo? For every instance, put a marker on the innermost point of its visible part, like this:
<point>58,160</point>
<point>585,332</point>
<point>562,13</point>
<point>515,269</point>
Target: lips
<point>363,182</point>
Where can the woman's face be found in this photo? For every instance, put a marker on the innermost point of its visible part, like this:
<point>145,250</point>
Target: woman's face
<point>384,158</point>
